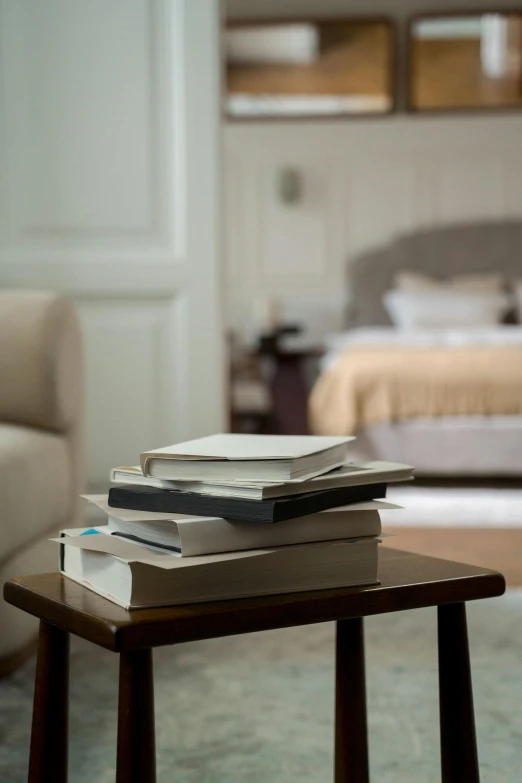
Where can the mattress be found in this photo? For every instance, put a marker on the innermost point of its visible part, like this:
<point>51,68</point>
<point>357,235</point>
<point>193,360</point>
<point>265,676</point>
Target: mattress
<point>454,446</point>
<point>441,446</point>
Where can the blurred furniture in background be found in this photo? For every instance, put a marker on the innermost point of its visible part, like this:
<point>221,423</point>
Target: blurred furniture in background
<point>486,444</point>
<point>41,445</point>
<point>479,247</point>
<point>249,400</point>
<point>271,383</point>
<point>291,370</point>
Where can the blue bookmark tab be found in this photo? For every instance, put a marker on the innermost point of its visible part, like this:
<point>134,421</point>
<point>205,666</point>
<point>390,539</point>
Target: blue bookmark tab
<point>90,532</point>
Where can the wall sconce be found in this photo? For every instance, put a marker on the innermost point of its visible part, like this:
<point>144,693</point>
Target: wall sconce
<point>290,186</point>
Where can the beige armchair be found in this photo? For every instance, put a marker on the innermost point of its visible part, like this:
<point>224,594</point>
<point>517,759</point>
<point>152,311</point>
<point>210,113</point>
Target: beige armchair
<point>41,448</point>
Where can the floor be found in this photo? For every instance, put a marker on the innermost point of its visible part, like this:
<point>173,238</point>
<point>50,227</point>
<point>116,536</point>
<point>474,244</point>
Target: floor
<point>499,549</point>
<point>260,707</point>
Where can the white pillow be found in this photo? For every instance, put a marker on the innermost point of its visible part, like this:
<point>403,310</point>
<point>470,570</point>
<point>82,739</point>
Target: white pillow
<point>417,281</point>
<point>444,309</point>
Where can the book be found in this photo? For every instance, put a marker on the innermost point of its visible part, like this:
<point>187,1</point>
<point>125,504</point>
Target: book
<point>254,457</point>
<point>166,501</point>
<point>344,476</point>
<point>190,536</point>
<point>134,576</point>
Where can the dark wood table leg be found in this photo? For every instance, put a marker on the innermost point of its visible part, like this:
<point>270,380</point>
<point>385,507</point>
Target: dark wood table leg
<point>351,733</point>
<point>457,720</point>
<point>136,762</point>
<point>48,759</point>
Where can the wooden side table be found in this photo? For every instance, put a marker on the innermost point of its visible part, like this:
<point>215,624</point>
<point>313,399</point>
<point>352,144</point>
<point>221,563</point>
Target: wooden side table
<point>408,581</point>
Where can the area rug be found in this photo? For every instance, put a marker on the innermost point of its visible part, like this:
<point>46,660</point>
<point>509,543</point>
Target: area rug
<point>259,707</point>
<point>474,507</point>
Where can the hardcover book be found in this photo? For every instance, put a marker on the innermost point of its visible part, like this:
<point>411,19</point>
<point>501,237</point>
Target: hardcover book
<point>163,501</point>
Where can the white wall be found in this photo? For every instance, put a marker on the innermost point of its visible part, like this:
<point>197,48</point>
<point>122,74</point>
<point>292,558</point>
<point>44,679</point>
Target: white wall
<point>364,181</point>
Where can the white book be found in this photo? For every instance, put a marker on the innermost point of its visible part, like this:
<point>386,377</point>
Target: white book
<point>247,457</point>
<point>190,536</point>
<point>349,474</point>
<point>134,576</point>
<point>193,536</point>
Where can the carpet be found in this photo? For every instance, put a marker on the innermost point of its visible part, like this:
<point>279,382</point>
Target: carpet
<point>260,707</point>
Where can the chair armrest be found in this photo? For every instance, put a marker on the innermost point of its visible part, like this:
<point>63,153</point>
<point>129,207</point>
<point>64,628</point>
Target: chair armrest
<point>41,368</point>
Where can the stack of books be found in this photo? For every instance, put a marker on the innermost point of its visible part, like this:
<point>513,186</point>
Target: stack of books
<point>230,516</point>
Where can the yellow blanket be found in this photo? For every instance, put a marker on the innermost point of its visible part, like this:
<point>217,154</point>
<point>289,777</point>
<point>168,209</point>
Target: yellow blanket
<point>378,384</point>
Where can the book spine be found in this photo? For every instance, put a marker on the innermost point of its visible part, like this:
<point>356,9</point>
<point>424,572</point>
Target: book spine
<point>302,505</point>
<point>168,501</point>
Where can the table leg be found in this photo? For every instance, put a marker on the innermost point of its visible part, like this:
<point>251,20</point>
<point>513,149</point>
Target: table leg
<point>351,733</point>
<point>457,721</point>
<point>136,761</point>
<point>48,758</point>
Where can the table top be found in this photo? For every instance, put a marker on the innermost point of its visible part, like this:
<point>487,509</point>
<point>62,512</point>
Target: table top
<point>407,581</point>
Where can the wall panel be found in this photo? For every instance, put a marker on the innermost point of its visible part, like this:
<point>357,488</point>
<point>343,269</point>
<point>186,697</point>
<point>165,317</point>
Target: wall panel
<point>130,351</point>
<point>364,182</point>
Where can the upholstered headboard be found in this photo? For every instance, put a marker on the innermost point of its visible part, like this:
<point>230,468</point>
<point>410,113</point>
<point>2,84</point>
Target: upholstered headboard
<point>440,252</point>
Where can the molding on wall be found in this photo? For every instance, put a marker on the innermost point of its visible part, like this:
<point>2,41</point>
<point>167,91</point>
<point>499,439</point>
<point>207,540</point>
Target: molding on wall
<point>145,278</point>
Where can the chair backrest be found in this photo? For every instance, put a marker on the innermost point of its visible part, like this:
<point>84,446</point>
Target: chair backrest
<point>440,252</point>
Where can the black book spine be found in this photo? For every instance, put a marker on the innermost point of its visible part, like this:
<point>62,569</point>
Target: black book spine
<point>142,498</point>
<point>168,501</point>
<point>313,502</point>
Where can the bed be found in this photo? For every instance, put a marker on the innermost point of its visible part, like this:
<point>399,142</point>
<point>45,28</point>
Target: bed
<point>447,400</point>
